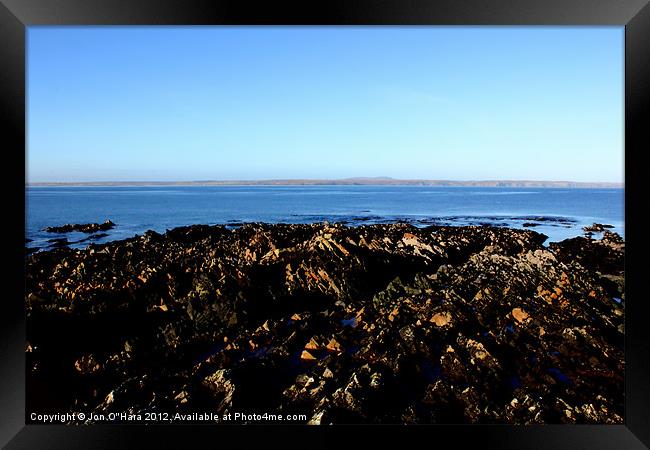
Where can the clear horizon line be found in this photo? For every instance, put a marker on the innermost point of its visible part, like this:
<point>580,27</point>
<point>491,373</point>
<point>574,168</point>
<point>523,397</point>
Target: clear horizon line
<point>351,180</point>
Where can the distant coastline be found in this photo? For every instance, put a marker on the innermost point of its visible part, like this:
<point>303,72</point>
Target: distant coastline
<point>357,181</point>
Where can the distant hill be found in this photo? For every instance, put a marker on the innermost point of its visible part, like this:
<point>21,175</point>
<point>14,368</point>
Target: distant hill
<point>360,181</point>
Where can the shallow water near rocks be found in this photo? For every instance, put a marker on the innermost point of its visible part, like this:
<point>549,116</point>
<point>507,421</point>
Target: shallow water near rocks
<point>557,213</point>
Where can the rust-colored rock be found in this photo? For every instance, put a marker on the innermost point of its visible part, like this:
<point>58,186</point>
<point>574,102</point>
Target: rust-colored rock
<point>312,345</point>
<point>520,315</point>
<point>373,324</point>
<point>441,319</point>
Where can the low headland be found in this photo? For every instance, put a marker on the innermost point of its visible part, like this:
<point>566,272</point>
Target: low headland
<point>384,323</point>
<point>354,181</point>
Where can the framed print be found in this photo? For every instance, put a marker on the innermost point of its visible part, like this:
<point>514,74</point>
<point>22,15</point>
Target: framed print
<point>412,222</point>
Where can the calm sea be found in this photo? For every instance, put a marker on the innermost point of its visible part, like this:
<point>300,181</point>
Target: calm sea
<point>558,213</point>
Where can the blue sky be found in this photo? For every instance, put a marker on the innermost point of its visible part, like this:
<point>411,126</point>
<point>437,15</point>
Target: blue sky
<point>200,103</point>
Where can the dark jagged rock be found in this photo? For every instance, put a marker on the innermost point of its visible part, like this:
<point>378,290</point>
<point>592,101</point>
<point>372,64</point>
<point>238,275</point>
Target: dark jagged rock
<point>561,220</point>
<point>378,324</point>
<point>597,227</point>
<point>84,228</point>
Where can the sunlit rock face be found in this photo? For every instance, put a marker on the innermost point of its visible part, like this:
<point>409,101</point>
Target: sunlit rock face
<point>376,324</point>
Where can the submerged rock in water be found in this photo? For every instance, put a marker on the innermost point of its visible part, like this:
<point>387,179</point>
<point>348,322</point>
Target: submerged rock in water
<point>93,237</point>
<point>84,228</point>
<point>58,242</point>
<point>377,324</point>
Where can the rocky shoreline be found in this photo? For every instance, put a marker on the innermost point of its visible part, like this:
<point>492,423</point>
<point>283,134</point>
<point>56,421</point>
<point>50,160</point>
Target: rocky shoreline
<point>83,228</point>
<point>371,324</point>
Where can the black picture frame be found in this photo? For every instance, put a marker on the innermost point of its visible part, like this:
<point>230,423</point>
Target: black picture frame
<point>16,15</point>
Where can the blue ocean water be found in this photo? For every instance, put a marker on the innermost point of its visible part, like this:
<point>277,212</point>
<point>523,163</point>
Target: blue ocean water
<point>558,213</point>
